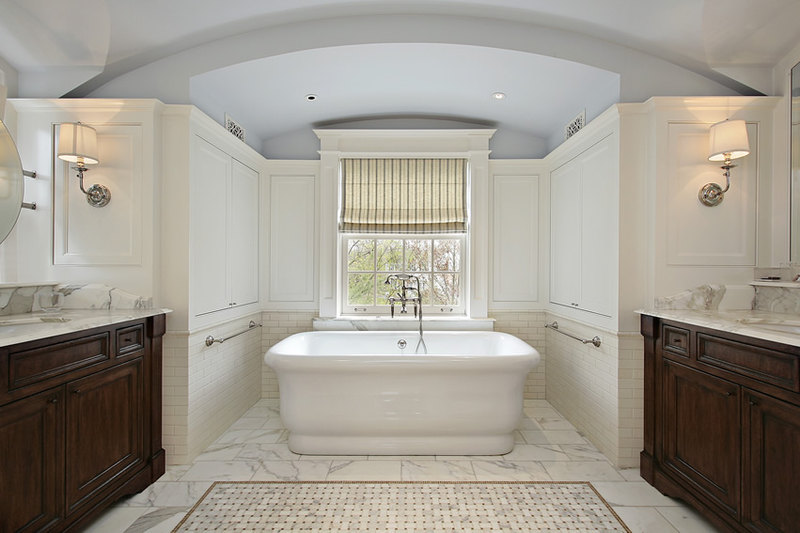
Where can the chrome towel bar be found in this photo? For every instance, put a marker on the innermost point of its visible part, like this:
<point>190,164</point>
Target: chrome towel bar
<point>594,340</point>
<point>211,340</point>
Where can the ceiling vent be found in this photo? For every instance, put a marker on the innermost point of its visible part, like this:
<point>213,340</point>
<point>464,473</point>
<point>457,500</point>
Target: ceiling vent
<point>575,125</point>
<point>234,127</point>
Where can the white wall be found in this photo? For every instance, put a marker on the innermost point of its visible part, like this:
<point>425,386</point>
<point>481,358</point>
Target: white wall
<point>67,240</point>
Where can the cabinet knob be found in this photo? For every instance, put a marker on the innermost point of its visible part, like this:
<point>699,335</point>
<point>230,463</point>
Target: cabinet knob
<point>53,400</point>
<point>127,339</point>
<point>76,391</point>
<point>752,402</point>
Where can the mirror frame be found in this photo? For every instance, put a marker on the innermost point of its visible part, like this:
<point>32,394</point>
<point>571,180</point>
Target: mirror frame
<point>12,183</point>
<point>794,164</point>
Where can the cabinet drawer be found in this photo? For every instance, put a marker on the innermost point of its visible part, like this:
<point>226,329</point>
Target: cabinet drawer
<point>762,364</point>
<point>30,366</point>
<point>675,340</point>
<point>130,339</point>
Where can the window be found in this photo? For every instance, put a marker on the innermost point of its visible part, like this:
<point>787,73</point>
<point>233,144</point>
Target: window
<point>436,260</point>
<point>403,216</point>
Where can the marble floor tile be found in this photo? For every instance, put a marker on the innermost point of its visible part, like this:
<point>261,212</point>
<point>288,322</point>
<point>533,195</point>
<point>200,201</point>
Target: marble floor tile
<point>157,519</point>
<point>365,471</point>
<point>644,520</point>
<point>266,452</point>
<point>584,452</point>
<point>547,448</point>
<point>220,452</point>
<point>221,471</point>
<point>533,452</point>
<point>116,518</point>
<point>292,471</point>
<point>181,493</point>
<point>581,471</point>
<point>632,494</point>
<point>686,520</point>
<point>437,471</point>
<point>552,437</point>
<point>500,470</point>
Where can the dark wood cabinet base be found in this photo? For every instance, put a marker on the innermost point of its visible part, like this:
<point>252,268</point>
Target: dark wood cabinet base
<point>722,424</point>
<point>80,424</point>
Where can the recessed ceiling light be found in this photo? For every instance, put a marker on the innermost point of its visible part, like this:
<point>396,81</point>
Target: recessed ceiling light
<point>311,97</point>
<point>498,95</point>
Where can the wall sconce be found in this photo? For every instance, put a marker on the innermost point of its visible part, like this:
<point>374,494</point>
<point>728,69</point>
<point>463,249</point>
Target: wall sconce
<point>727,141</point>
<point>77,143</point>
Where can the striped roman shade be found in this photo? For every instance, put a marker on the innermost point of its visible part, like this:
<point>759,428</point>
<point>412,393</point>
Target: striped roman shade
<point>404,196</point>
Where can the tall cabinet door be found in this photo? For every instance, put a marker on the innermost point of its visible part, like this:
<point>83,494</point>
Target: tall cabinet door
<point>701,441</point>
<point>565,234</point>
<point>210,186</point>
<point>243,240</point>
<point>598,244</point>
<point>31,461</point>
<point>105,429</point>
<point>772,464</point>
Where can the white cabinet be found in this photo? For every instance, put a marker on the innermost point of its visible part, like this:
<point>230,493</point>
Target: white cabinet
<point>224,230</point>
<point>583,229</point>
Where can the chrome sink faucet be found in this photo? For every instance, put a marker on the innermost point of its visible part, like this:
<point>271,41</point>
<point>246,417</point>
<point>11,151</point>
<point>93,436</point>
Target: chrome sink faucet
<point>402,285</point>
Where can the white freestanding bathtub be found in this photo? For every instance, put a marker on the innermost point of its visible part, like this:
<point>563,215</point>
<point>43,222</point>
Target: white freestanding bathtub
<point>359,393</point>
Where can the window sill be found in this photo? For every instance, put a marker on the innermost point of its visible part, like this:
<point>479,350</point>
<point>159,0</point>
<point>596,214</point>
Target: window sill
<point>385,323</point>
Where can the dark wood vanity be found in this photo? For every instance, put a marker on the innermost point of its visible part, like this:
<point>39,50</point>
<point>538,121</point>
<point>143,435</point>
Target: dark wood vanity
<point>80,423</point>
<point>722,424</point>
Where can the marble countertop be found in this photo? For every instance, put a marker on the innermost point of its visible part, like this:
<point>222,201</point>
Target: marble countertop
<point>776,327</point>
<point>32,326</point>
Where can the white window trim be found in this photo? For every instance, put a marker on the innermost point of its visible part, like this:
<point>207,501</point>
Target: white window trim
<point>429,308</point>
<point>472,144</point>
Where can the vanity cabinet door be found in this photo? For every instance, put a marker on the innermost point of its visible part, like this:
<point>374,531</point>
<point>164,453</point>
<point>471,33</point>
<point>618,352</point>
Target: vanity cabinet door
<point>702,434</point>
<point>104,428</point>
<point>772,464</point>
<point>31,461</point>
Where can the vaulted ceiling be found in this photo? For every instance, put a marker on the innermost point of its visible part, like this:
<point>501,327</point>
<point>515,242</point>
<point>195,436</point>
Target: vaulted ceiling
<point>434,61</point>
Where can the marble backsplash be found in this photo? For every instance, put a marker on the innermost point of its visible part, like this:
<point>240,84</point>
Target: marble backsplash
<point>702,298</point>
<point>777,299</point>
<point>20,299</point>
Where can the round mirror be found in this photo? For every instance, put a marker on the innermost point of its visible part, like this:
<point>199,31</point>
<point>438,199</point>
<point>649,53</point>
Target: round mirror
<point>12,183</point>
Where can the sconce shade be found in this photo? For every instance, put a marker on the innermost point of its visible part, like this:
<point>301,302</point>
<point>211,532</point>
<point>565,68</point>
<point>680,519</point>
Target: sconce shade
<point>77,143</point>
<point>728,140</point>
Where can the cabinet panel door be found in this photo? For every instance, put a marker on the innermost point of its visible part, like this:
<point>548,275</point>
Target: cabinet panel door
<point>31,461</point>
<point>104,428</point>
<point>243,235</point>
<point>772,455</point>
<point>210,185</point>
<point>702,434</point>
<point>598,243</point>
<point>565,234</point>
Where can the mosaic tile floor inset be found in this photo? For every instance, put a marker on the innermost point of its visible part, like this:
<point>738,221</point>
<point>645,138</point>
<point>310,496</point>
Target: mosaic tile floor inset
<point>429,507</point>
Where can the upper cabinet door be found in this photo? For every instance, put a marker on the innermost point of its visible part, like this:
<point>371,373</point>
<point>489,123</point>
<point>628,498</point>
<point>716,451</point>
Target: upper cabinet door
<point>210,200</point>
<point>565,234</point>
<point>598,242</point>
<point>243,235</point>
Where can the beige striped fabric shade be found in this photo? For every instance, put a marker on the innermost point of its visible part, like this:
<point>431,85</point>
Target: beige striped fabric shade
<point>404,196</point>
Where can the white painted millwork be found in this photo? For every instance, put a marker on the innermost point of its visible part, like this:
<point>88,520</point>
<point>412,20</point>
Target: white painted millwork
<point>213,185</point>
<point>292,245</point>
<point>514,240</point>
<point>224,232</point>
<point>583,231</point>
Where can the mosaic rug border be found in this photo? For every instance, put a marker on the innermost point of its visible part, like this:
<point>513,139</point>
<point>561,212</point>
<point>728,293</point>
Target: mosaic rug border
<point>352,482</point>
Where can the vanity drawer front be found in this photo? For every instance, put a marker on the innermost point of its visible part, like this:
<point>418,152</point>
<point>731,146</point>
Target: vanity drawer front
<point>31,366</point>
<point>675,340</point>
<point>130,339</point>
<point>762,364</point>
